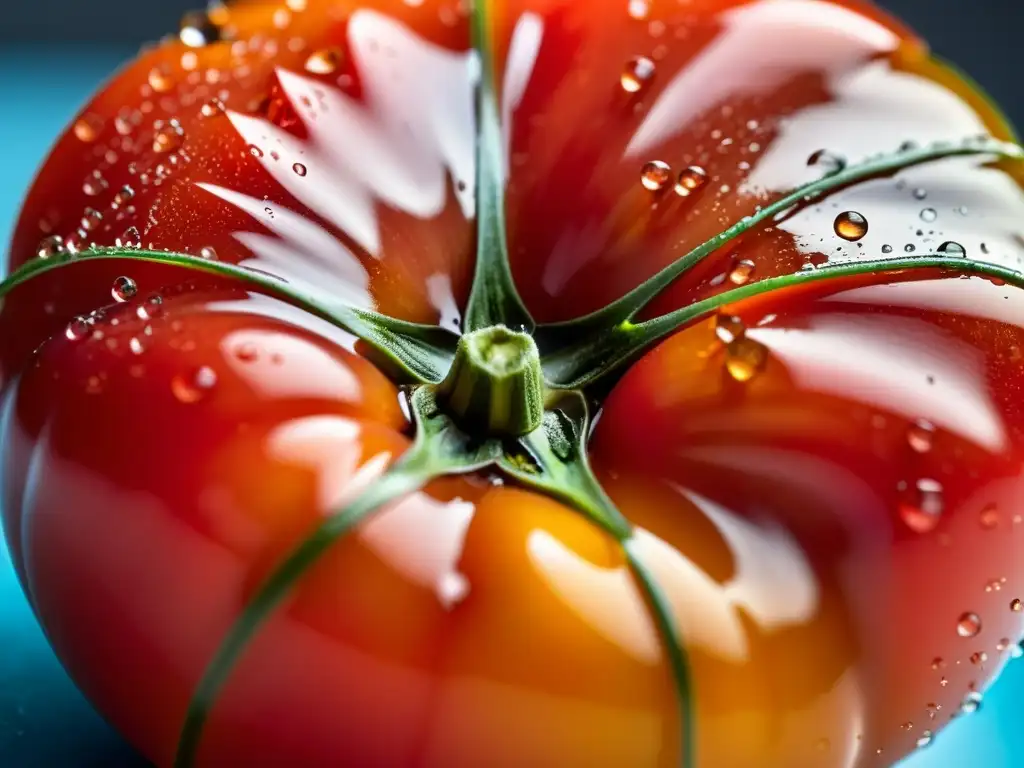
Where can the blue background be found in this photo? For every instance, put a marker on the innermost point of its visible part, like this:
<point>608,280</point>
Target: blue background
<point>44,721</point>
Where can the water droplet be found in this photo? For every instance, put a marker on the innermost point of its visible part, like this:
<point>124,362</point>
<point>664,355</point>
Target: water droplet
<point>993,585</point>
<point>729,328</point>
<point>1016,605</point>
<point>87,128</point>
<point>943,682</point>
<point>920,435</point>
<point>829,162</point>
<point>324,61</point>
<point>77,329</point>
<point>1017,651</point>
<point>636,74</point>
<point>639,9</point>
<point>979,657</point>
<point>887,248</point>
<point>1003,644</point>
<point>989,517</point>
<point>150,308</point>
<point>741,272</point>
<point>247,352</point>
<point>123,289</point>
<point>938,662</point>
<point>925,739</point>
<point>745,358</point>
<point>968,625</point>
<point>196,30</point>
<point>909,248</point>
<point>299,168</point>
<point>91,218</point>
<point>255,151</point>
<point>212,108</point>
<point>920,194</point>
<point>951,248</point>
<point>136,346</point>
<point>971,703</point>
<point>655,175</point>
<point>167,135</point>
<point>125,194</point>
<point>922,509</point>
<point>94,184</point>
<point>691,180</point>
<point>160,79</point>
<point>50,246</point>
<point>206,252</point>
<point>129,239</point>
<point>850,225</point>
<point>929,215</point>
<point>194,388</point>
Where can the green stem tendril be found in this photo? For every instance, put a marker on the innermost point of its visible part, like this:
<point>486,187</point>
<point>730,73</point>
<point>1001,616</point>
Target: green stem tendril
<point>584,363</point>
<point>557,465</point>
<point>439,449</point>
<point>419,353</point>
<point>624,309</point>
<point>493,298</point>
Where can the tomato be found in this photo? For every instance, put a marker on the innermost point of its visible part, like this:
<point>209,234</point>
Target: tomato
<point>824,479</point>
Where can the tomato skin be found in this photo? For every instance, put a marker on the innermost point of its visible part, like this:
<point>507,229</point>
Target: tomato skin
<point>157,468</point>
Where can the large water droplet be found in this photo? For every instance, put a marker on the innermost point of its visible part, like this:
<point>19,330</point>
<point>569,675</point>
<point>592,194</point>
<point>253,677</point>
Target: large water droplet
<point>741,272</point>
<point>968,625</point>
<point>196,30</point>
<point>745,358</point>
<point>951,248</point>
<point>691,180</point>
<point>851,225</point>
<point>921,510</point>
<point>123,289</point>
<point>637,73</point>
<point>655,175</point>
<point>829,162</point>
<point>324,61</point>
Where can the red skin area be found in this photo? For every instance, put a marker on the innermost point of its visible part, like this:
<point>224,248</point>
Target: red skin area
<point>146,494</point>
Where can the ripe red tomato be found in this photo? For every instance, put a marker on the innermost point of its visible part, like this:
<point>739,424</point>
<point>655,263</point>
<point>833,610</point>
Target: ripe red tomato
<point>831,502</point>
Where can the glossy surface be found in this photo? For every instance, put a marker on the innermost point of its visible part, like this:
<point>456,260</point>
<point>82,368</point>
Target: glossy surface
<point>472,625</point>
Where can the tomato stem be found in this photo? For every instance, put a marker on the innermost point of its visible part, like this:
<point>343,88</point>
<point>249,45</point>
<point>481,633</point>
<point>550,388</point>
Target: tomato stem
<point>495,385</point>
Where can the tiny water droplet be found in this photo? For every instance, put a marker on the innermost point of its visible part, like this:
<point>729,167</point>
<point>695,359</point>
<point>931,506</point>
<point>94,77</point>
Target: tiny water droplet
<point>194,388</point>
<point>299,169</point>
<point>830,162</point>
<point>655,175</point>
<point>125,194</point>
<point>636,74</point>
<point>255,151</point>
<point>968,625</point>
<point>1003,644</point>
<point>150,308</point>
<point>951,248</point>
<point>971,703</point>
<point>1016,605</point>
<point>925,739</point>
<point>324,61</point>
<point>929,215</point>
<point>639,9</point>
<point>136,346</point>
<point>167,135</point>
<point>160,79</point>
<point>212,108</point>
<point>206,252</point>
<point>920,435</point>
<point>920,194</point>
<point>979,657</point>
<point>938,662</point>
<point>943,682</point>
<point>87,128</point>
<point>989,517</point>
<point>77,329</point>
<point>123,289</point>
<point>851,225</point>
<point>745,358</point>
<point>741,272</point>
<point>94,184</point>
<point>247,352</point>
<point>921,510</point>
<point>729,328</point>
<point>50,246</point>
<point>887,248</point>
<point>691,180</point>
<point>909,248</point>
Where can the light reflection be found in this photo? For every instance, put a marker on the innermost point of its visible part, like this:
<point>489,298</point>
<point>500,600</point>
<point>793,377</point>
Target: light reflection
<point>522,56</point>
<point>605,598</point>
<point>897,364</point>
<point>772,42</point>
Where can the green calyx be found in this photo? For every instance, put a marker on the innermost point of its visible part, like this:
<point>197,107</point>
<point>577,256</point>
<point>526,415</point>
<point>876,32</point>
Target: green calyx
<point>512,396</point>
<point>495,385</point>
